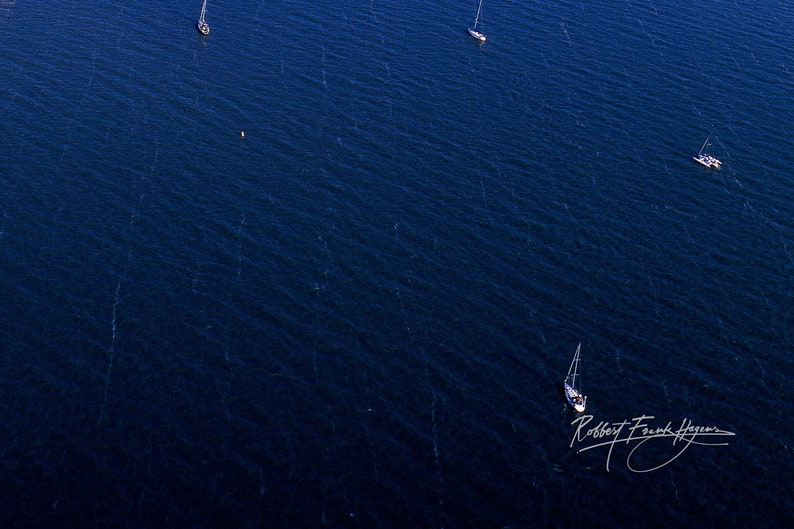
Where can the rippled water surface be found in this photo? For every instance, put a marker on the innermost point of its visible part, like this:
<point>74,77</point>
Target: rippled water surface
<point>327,266</point>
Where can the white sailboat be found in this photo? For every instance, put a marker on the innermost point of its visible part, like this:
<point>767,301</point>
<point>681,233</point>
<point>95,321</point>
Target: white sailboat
<point>707,160</point>
<point>572,393</point>
<point>202,25</point>
<point>473,31</point>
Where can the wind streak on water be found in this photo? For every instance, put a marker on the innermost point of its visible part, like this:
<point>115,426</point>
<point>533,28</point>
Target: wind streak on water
<point>130,236</point>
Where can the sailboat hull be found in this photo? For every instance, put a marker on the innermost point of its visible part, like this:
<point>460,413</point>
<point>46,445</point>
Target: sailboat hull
<point>707,160</point>
<point>574,398</point>
<point>477,35</point>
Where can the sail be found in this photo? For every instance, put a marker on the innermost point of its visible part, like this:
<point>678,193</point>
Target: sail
<point>573,371</point>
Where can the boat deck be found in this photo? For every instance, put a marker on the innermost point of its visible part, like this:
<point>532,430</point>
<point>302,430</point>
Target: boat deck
<point>708,161</point>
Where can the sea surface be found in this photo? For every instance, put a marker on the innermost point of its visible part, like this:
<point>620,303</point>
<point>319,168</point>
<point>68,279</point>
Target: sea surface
<point>327,266</point>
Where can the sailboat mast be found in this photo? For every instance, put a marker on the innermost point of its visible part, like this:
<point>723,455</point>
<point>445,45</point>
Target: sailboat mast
<point>573,371</point>
<point>477,18</point>
<point>578,385</point>
<point>704,145</point>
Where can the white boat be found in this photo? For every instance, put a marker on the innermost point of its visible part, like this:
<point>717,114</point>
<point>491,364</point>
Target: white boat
<point>473,31</point>
<point>202,25</point>
<point>707,160</point>
<point>572,393</point>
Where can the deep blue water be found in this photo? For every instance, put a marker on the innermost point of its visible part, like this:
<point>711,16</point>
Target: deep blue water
<point>359,314</point>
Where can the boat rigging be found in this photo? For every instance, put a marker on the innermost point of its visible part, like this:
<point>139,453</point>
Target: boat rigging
<point>707,160</point>
<point>572,394</point>
<point>202,25</point>
<point>473,31</point>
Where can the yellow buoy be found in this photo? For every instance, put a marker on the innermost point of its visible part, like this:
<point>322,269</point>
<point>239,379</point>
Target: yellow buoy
<point>242,134</point>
